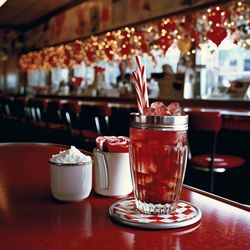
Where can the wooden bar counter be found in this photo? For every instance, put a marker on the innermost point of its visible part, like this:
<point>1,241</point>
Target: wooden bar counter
<point>31,219</point>
<point>130,102</point>
<point>235,112</point>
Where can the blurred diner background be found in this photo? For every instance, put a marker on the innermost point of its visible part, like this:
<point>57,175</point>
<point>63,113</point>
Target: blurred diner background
<point>66,76</point>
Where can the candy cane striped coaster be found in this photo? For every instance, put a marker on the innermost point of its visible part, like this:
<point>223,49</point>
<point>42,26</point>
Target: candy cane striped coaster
<point>124,211</point>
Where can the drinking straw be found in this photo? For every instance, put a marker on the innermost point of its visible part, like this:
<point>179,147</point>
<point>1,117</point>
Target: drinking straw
<point>140,84</point>
<point>142,71</point>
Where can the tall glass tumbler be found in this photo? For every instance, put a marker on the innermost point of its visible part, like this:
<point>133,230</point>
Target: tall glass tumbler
<point>158,156</point>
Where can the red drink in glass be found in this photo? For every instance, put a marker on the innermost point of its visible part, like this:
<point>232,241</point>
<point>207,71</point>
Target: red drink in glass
<point>158,154</point>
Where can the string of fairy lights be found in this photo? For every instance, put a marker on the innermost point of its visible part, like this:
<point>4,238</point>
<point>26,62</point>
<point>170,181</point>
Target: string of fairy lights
<point>186,32</point>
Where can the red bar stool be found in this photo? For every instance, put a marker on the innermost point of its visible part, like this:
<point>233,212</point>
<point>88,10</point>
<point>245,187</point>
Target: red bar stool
<point>94,121</point>
<point>102,113</point>
<point>211,122</point>
<point>70,116</point>
<point>17,108</point>
<point>38,107</point>
<point>89,124</point>
<point>31,110</point>
<point>5,106</point>
<point>53,115</point>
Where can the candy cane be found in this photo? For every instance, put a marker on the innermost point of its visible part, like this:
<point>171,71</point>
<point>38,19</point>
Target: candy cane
<point>139,96</point>
<point>140,84</point>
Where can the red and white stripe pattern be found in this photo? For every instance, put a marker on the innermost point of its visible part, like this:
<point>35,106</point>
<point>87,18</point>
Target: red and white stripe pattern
<point>140,83</point>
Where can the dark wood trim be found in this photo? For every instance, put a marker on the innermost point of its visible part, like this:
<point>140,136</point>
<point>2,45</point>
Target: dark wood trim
<point>43,19</point>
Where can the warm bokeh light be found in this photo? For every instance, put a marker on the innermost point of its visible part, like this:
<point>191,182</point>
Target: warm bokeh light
<point>186,32</point>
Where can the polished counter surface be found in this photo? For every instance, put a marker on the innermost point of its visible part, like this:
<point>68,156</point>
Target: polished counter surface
<point>31,219</point>
<point>193,102</point>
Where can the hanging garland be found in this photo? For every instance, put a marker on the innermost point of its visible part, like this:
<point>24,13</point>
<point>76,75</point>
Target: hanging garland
<point>187,32</point>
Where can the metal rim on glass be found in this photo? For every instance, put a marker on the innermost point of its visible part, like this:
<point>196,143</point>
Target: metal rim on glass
<point>171,123</point>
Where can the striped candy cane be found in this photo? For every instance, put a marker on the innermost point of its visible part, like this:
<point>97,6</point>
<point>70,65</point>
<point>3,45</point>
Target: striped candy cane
<point>140,84</point>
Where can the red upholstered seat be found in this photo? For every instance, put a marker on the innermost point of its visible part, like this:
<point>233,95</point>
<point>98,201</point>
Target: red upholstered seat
<point>221,162</point>
<point>71,106</point>
<point>84,133</point>
<point>210,161</point>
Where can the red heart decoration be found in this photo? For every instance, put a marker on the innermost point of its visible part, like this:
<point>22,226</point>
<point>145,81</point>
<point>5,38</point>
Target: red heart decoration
<point>165,42</point>
<point>217,35</point>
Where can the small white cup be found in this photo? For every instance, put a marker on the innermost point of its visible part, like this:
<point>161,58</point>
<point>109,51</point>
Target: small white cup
<point>112,173</point>
<point>71,181</point>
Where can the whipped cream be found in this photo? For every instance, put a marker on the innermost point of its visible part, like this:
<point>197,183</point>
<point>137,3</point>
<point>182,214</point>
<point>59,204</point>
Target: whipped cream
<point>72,155</point>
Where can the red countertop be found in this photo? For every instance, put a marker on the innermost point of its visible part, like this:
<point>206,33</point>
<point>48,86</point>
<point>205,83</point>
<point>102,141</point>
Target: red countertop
<point>31,219</point>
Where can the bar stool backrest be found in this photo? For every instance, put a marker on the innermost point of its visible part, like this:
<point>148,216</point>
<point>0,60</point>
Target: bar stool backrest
<point>53,112</point>
<point>209,124</point>
<point>70,114</point>
<point>95,117</point>
<point>41,105</point>
<point>18,107</point>
<point>205,121</point>
<point>5,105</point>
